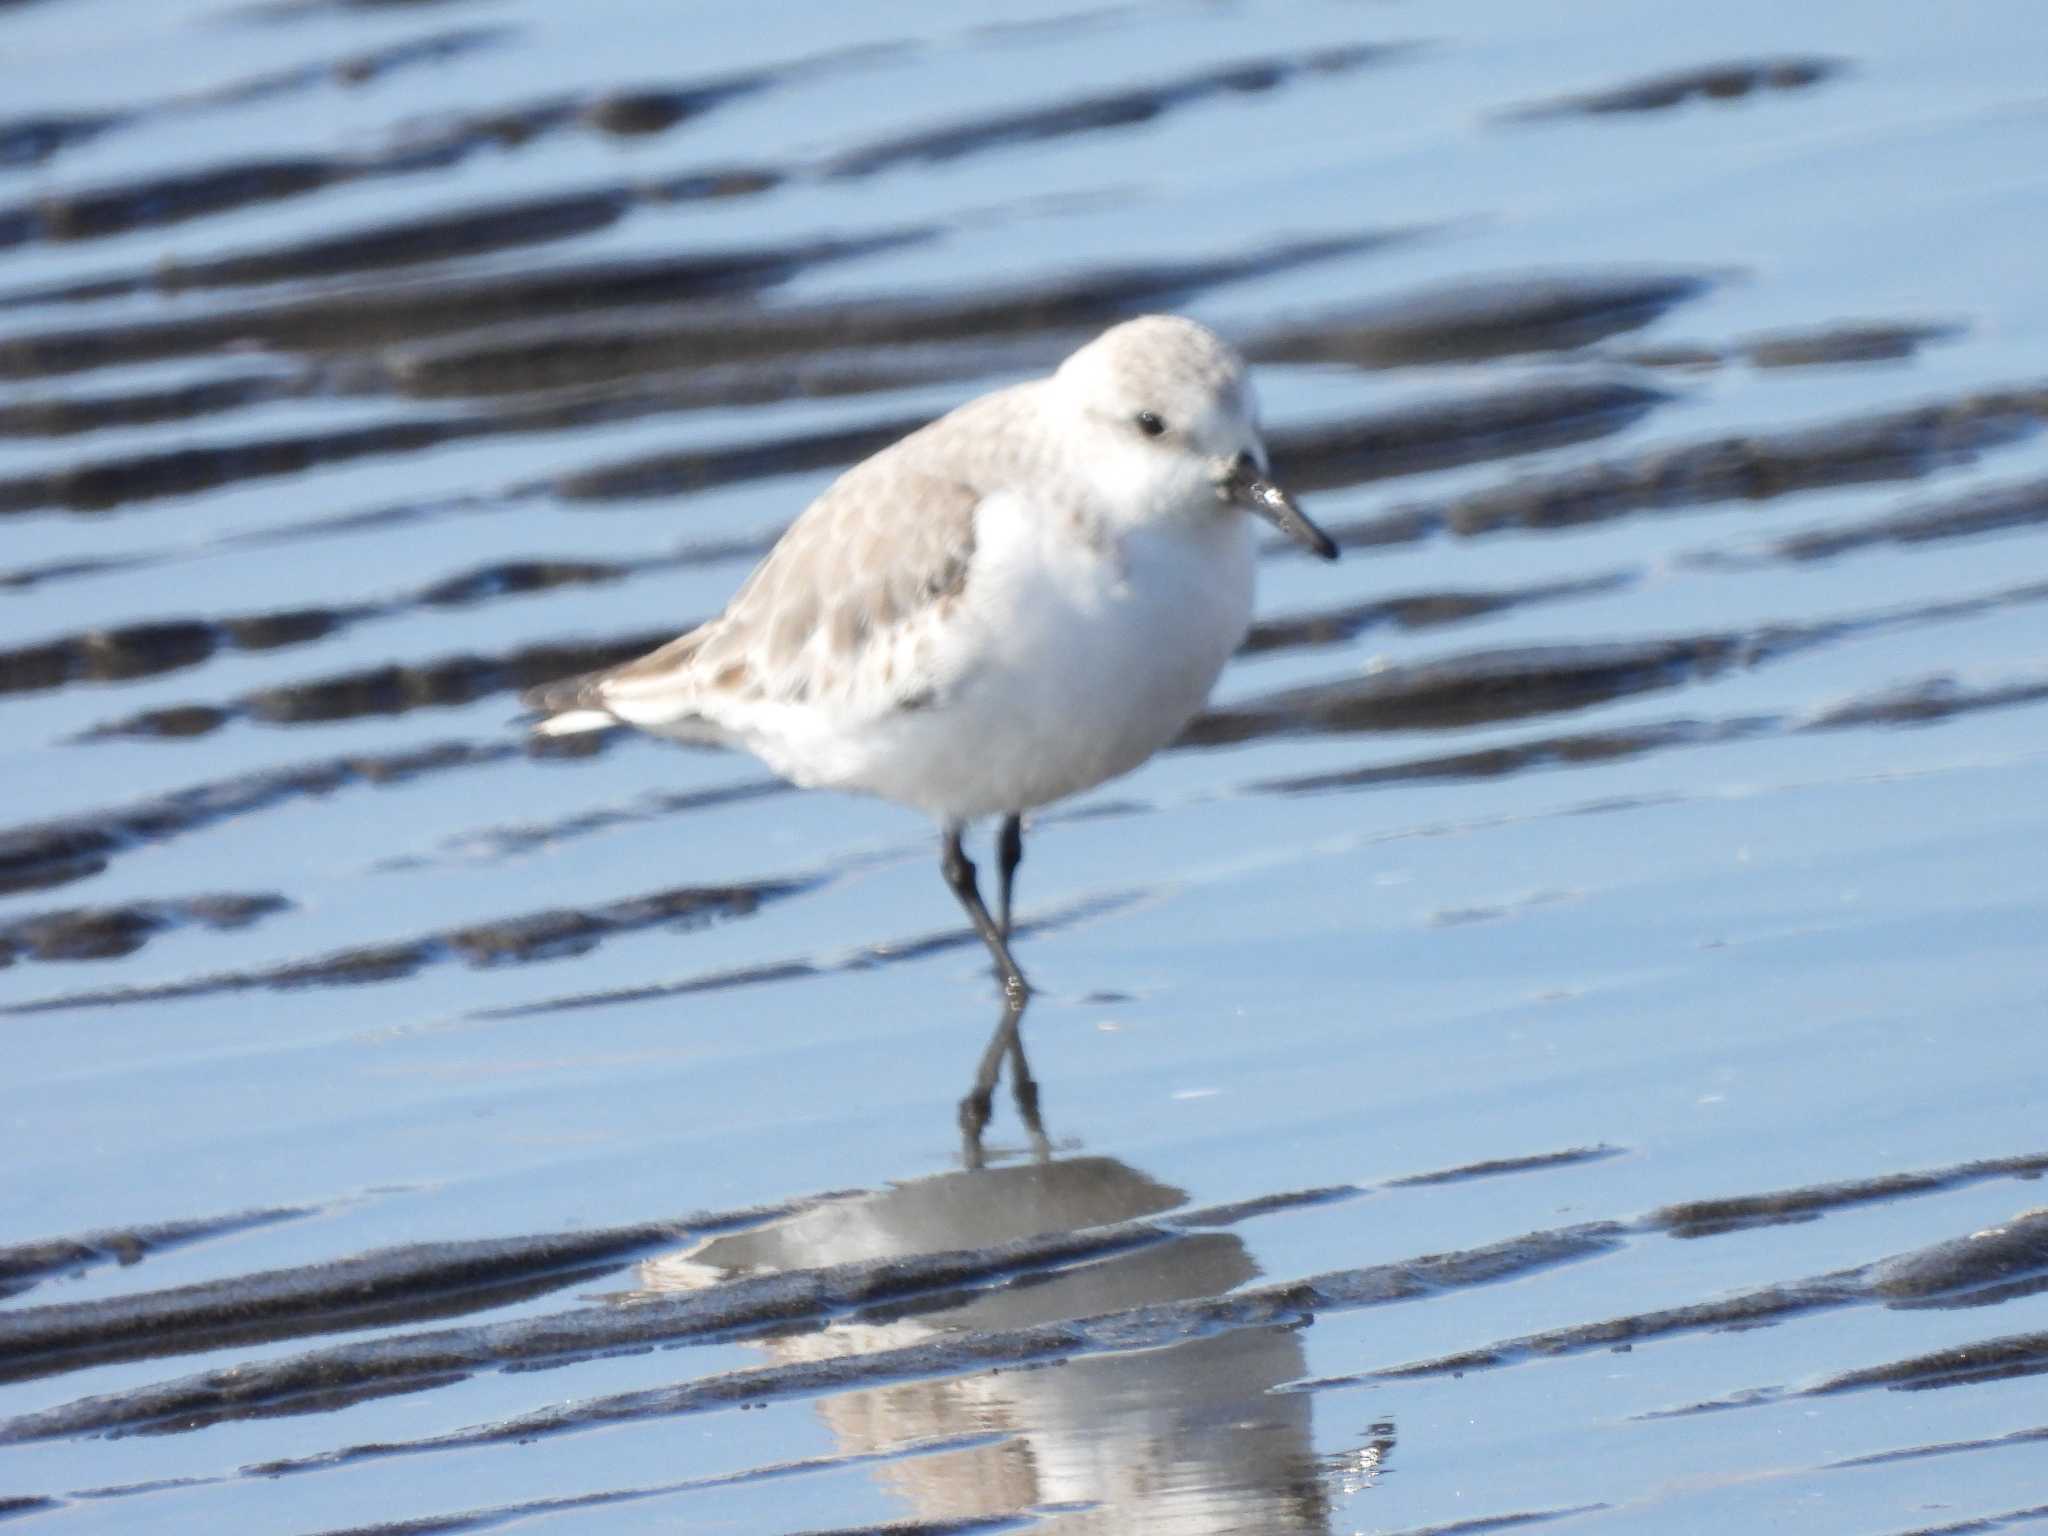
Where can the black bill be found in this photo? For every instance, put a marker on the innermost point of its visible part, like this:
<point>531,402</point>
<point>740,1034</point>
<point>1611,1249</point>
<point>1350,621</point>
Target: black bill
<point>1250,489</point>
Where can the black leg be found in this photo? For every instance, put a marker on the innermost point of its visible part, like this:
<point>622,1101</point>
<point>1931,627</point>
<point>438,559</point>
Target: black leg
<point>1025,1089</point>
<point>976,1108</point>
<point>959,873</point>
<point>1009,854</point>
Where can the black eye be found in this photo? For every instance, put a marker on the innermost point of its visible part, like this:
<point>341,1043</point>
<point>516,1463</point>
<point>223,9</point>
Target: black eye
<point>1150,424</point>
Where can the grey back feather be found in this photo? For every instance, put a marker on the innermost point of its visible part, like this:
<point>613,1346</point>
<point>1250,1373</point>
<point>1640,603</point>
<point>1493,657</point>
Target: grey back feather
<point>885,548</point>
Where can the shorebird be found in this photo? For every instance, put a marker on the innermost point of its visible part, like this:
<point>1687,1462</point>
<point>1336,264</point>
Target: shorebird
<point>1025,598</point>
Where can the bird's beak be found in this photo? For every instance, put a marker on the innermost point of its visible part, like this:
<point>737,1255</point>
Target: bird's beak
<point>1249,488</point>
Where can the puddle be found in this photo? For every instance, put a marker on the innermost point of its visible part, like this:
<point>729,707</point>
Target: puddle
<point>1550,1047</point>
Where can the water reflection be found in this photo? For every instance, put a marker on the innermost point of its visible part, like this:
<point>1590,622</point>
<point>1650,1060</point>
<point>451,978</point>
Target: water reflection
<point>1185,1439</point>
<point>1006,1043</point>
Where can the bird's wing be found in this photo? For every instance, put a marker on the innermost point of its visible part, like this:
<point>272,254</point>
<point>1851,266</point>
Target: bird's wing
<point>833,614</point>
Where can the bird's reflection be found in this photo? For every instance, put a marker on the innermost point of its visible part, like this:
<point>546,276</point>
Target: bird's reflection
<point>1005,1044</point>
<point>1185,1439</point>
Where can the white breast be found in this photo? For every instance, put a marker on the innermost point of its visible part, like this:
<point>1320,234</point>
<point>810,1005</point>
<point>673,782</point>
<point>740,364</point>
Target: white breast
<point>1077,654</point>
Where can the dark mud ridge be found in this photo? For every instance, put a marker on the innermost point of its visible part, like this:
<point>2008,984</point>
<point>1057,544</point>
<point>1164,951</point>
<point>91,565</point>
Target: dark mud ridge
<point>1457,692</point>
<point>406,1285</point>
<point>373,361</point>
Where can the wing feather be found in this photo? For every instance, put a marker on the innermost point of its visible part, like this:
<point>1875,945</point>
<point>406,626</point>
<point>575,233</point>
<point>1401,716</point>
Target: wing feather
<point>837,603</point>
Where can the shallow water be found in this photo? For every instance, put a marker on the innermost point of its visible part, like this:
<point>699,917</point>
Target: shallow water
<point>1555,1044</point>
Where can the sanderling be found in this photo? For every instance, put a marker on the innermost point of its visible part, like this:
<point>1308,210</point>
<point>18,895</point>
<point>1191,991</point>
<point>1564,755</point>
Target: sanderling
<point>1029,596</point>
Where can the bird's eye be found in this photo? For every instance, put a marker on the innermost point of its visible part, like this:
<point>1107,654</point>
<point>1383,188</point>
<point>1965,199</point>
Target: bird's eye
<point>1150,424</point>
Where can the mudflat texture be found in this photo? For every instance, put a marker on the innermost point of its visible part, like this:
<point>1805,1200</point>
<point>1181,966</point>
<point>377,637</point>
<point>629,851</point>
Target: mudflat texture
<point>1558,1044</point>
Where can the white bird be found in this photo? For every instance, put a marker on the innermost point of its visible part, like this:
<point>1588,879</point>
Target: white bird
<point>1021,600</point>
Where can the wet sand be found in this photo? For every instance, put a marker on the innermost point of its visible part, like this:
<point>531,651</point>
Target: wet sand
<point>1553,1045</point>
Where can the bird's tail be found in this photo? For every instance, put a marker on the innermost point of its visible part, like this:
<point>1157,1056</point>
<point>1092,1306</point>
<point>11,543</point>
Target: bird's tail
<point>568,706</point>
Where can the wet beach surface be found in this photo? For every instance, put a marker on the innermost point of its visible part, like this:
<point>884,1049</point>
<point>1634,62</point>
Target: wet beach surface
<point>1557,1044</point>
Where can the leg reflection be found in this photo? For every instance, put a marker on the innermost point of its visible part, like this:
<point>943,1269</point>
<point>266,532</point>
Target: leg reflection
<point>1006,1043</point>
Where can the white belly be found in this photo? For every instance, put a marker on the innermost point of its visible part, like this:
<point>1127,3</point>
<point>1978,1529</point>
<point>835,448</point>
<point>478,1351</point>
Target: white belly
<point>1085,660</point>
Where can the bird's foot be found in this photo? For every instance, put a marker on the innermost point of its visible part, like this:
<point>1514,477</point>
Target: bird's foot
<point>975,1110</point>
